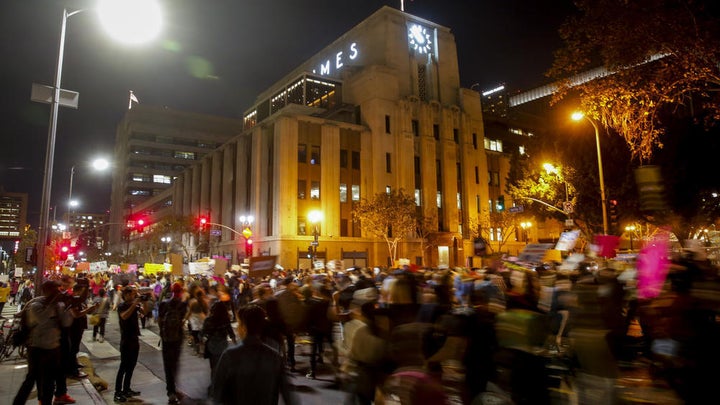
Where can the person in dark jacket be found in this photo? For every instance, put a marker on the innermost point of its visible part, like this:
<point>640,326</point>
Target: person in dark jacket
<point>216,330</point>
<point>172,340</point>
<point>251,372</point>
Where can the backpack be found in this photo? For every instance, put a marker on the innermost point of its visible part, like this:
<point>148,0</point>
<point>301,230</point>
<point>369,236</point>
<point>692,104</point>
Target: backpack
<point>20,325</point>
<point>172,321</point>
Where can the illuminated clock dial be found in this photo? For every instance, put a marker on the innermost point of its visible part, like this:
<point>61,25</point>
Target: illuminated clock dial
<point>419,39</point>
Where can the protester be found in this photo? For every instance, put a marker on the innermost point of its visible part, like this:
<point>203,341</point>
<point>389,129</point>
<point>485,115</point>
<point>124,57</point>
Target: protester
<point>129,311</point>
<point>45,317</point>
<point>4,294</point>
<point>292,315</point>
<point>215,331</point>
<point>171,317</point>
<point>197,311</point>
<point>102,309</point>
<point>251,372</point>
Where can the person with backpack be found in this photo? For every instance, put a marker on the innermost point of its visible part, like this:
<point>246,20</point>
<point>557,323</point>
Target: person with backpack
<point>43,319</point>
<point>171,319</point>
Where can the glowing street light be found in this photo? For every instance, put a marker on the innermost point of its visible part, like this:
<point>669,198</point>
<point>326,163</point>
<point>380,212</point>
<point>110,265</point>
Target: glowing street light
<point>577,116</point>
<point>630,229</point>
<point>525,226</point>
<point>315,217</point>
<point>143,9</point>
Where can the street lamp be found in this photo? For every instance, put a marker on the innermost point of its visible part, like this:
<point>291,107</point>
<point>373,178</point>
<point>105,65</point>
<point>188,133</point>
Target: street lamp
<point>630,229</point>
<point>525,226</point>
<point>143,9</point>
<point>315,217</point>
<point>98,164</point>
<point>577,116</point>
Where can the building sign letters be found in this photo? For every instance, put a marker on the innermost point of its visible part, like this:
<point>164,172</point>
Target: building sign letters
<point>326,68</point>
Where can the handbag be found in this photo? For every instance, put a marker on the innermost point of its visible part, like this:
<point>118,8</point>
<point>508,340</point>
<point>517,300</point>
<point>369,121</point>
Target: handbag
<point>94,319</point>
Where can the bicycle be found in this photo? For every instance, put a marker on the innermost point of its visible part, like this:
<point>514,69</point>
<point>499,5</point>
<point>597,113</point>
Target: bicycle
<point>8,328</point>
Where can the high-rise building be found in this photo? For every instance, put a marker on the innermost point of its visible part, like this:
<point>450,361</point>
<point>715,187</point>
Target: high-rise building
<point>13,214</point>
<point>381,108</point>
<point>152,146</point>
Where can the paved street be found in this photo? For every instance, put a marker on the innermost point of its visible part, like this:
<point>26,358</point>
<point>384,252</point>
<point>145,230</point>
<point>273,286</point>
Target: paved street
<point>149,378</point>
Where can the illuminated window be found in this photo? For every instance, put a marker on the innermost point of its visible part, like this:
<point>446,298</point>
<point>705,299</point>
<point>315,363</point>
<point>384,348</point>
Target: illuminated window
<point>355,192</point>
<point>314,155</point>
<point>438,198</point>
<point>184,155</point>
<point>158,178</point>
<point>343,192</point>
<point>418,196</point>
<point>314,190</point>
<point>493,144</point>
<point>302,185</point>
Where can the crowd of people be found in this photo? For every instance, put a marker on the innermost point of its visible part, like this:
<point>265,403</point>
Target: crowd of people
<point>383,332</point>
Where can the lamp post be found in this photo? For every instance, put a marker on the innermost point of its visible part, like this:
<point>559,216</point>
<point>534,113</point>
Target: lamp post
<point>525,226</point>
<point>151,8</point>
<point>315,217</point>
<point>630,229</point>
<point>577,116</point>
<point>98,164</point>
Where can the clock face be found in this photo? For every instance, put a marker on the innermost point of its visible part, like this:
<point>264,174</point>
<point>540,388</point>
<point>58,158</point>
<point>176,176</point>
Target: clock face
<point>419,39</point>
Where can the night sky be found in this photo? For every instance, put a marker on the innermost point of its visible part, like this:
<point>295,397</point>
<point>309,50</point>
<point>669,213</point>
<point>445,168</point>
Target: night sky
<point>214,56</point>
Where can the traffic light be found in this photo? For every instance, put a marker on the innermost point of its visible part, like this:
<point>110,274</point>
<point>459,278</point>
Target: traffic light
<point>613,213</point>
<point>248,247</point>
<point>202,222</point>
<point>310,252</point>
<point>500,204</point>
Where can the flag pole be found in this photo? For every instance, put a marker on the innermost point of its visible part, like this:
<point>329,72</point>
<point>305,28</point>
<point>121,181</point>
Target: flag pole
<point>130,100</point>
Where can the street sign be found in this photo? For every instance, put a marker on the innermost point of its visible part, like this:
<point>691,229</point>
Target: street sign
<point>516,209</point>
<point>215,232</point>
<point>568,207</point>
<point>314,243</point>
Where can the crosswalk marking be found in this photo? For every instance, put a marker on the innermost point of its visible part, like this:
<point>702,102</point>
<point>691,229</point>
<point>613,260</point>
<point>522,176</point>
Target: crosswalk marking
<point>151,338</point>
<point>101,350</point>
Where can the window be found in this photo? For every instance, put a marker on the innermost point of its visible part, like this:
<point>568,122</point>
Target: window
<point>493,144</point>
<point>355,190</point>
<point>343,158</point>
<point>184,155</point>
<point>456,135</point>
<point>438,197</point>
<point>387,124</point>
<point>344,227</point>
<point>436,132</point>
<point>158,178</point>
<point>356,160</point>
<point>388,163</point>
<point>418,196</point>
<point>521,150</point>
<point>415,127</point>
<point>302,186</point>
<point>459,201</point>
<point>343,192</point>
<point>477,175</point>
<point>314,190</point>
<point>302,226</point>
<point>388,190</point>
<point>314,155</point>
<point>302,153</point>
<point>139,177</point>
<point>477,203</point>
<point>474,141</point>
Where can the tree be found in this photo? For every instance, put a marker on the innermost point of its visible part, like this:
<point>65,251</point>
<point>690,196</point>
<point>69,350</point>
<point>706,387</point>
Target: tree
<point>494,227</point>
<point>178,228</point>
<point>29,240</point>
<point>662,54</point>
<point>425,226</point>
<point>388,216</point>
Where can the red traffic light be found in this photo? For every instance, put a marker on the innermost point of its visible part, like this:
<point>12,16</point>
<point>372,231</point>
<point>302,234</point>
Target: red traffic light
<point>203,220</point>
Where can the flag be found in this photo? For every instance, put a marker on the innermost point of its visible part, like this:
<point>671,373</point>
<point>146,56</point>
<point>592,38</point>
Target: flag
<point>132,98</point>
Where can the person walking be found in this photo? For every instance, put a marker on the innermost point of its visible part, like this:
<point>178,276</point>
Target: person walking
<point>197,311</point>
<point>216,330</point>
<point>45,316</point>
<point>251,372</point>
<point>128,312</point>
<point>4,294</point>
<point>102,309</point>
<point>171,320</point>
